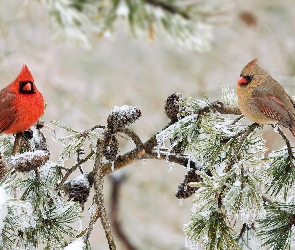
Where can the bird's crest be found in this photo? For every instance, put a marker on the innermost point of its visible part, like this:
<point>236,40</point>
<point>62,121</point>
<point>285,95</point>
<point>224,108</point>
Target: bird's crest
<point>25,75</point>
<point>251,63</point>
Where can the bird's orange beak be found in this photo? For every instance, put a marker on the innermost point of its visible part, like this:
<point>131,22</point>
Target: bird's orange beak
<point>242,81</point>
<point>28,87</point>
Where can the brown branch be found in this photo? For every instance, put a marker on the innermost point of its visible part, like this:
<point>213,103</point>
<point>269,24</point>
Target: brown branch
<point>223,109</point>
<point>72,169</point>
<point>99,197</point>
<point>168,7</point>
<point>117,182</point>
<point>145,151</point>
<point>135,138</point>
<point>17,143</point>
<point>249,130</point>
<point>87,231</point>
<point>281,133</point>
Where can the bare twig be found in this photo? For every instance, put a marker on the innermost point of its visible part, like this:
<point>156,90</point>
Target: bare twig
<point>117,182</point>
<point>72,169</point>
<point>249,130</point>
<point>133,136</point>
<point>238,119</point>
<point>87,231</point>
<point>281,133</point>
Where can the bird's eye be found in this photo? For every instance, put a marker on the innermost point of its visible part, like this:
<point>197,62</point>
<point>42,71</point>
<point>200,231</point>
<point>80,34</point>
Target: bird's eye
<point>26,87</point>
<point>248,78</point>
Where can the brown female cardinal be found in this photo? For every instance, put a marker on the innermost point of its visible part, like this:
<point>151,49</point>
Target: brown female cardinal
<point>21,104</point>
<point>263,100</point>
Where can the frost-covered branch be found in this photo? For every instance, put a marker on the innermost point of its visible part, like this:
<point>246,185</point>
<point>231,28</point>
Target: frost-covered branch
<point>99,196</point>
<point>183,22</point>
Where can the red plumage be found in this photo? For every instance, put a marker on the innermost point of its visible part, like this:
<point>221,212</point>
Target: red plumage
<point>21,104</point>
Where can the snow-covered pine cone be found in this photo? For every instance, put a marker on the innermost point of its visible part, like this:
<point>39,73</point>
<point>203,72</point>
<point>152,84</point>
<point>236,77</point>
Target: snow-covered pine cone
<point>79,189</point>
<point>172,107</point>
<point>122,116</point>
<point>28,161</point>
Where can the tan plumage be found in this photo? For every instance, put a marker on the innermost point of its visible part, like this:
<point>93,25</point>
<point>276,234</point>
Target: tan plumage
<point>262,99</point>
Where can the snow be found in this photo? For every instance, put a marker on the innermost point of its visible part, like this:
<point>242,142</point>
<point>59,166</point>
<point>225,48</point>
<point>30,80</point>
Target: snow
<point>77,244</point>
<point>3,208</point>
<point>27,156</point>
<point>124,110</point>
<point>81,180</point>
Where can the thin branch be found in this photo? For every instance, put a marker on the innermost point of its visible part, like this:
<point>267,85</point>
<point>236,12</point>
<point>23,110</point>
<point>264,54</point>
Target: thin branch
<point>135,138</point>
<point>117,182</point>
<point>223,109</point>
<point>123,160</point>
<point>168,7</point>
<point>97,126</point>
<point>281,133</point>
<point>72,169</point>
<point>87,231</point>
<point>237,119</point>
<point>99,197</point>
<point>249,130</point>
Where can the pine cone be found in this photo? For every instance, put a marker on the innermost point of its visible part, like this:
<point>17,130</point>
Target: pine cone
<point>122,116</point>
<point>184,191</point>
<point>172,107</point>
<point>79,189</point>
<point>111,147</point>
<point>29,161</point>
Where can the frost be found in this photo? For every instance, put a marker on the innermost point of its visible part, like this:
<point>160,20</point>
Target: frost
<point>229,96</point>
<point>237,183</point>
<point>27,156</point>
<point>3,208</point>
<point>180,202</point>
<point>77,244</point>
<point>122,10</point>
<point>81,180</point>
<point>170,167</point>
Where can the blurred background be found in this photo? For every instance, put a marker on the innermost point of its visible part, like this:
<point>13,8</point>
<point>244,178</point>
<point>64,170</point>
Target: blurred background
<point>81,85</point>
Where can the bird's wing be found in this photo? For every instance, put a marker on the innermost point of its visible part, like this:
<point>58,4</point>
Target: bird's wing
<point>7,111</point>
<point>274,108</point>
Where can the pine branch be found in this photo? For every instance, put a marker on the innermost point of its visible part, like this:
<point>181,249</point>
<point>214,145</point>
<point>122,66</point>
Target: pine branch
<point>145,150</point>
<point>73,168</point>
<point>168,7</point>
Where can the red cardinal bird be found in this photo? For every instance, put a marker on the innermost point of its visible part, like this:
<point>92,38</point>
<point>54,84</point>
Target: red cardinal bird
<point>263,100</point>
<point>21,104</point>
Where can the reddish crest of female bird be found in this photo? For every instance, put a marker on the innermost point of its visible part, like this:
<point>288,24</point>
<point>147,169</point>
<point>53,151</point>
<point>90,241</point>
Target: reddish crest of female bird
<point>21,104</point>
<point>263,100</point>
